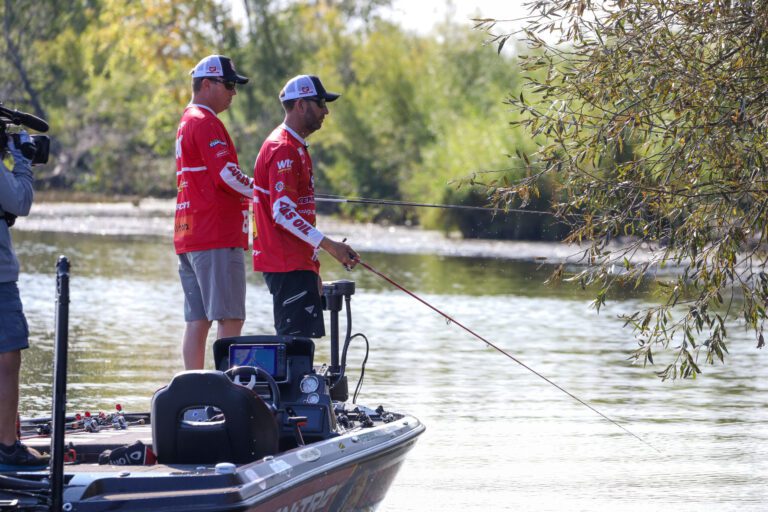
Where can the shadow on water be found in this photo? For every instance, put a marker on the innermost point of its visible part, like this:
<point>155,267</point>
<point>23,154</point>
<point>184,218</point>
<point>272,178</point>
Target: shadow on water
<point>471,276</point>
<point>152,258</point>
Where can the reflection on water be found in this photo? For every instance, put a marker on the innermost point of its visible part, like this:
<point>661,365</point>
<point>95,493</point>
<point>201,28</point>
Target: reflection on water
<point>498,438</point>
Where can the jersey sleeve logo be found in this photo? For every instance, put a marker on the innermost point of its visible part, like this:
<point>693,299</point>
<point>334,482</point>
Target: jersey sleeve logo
<point>279,186</point>
<point>284,165</point>
<point>216,142</point>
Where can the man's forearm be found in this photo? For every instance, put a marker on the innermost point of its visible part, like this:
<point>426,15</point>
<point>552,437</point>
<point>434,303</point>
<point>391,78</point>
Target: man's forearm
<point>284,214</point>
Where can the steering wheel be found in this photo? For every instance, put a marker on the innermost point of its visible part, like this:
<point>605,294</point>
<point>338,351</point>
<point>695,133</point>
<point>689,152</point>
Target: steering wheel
<point>246,376</point>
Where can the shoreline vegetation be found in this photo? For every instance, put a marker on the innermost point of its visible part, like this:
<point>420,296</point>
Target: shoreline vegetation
<point>422,117</point>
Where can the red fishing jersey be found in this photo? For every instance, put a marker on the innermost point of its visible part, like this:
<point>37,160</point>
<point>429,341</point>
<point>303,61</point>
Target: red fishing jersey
<point>213,193</point>
<point>284,233</point>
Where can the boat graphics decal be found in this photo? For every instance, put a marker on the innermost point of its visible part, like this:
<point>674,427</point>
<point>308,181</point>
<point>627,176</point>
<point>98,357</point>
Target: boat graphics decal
<point>315,496</point>
<point>316,502</point>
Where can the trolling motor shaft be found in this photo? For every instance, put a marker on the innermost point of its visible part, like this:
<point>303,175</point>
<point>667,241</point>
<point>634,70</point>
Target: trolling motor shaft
<point>60,383</point>
<point>335,293</point>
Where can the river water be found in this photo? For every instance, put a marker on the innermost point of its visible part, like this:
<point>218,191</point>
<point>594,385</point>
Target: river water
<point>498,437</point>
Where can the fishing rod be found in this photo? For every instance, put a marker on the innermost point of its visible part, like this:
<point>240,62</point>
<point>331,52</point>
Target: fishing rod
<point>504,352</point>
<point>328,198</point>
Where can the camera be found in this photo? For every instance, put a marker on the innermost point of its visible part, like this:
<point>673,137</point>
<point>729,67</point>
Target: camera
<point>35,150</point>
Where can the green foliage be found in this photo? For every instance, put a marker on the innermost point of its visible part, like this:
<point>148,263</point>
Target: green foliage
<point>112,77</point>
<point>418,113</point>
<point>380,126</point>
<point>653,119</point>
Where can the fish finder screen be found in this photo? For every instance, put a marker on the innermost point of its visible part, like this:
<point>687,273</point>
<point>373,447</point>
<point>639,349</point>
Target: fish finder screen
<point>266,357</point>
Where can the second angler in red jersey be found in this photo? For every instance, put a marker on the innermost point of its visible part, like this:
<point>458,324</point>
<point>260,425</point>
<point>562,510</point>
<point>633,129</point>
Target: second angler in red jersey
<point>285,239</point>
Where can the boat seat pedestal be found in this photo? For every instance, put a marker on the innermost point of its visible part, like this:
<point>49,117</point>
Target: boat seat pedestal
<point>247,432</point>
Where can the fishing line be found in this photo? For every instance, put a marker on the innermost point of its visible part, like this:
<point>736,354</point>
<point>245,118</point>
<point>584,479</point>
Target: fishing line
<point>504,352</point>
<point>327,198</point>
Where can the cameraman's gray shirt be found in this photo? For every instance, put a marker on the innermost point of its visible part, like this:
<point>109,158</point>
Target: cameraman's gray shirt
<point>15,197</point>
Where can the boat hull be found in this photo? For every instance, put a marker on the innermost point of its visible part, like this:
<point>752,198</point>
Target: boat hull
<point>351,472</point>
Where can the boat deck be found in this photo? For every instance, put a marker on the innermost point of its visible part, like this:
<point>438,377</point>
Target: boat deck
<point>88,446</point>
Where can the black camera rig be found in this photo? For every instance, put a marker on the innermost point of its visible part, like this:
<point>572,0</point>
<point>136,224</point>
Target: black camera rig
<point>35,150</point>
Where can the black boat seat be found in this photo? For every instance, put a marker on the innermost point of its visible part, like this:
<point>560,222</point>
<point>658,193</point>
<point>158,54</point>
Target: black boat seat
<point>247,432</point>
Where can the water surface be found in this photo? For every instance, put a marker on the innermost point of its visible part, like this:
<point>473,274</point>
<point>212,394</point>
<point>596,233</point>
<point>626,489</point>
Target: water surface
<point>498,438</point>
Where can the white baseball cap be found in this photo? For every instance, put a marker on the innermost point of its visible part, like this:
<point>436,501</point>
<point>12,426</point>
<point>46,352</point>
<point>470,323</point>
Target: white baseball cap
<point>220,66</point>
<point>306,86</point>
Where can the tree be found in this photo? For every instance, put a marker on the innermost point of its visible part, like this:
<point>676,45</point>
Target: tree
<point>111,78</point>
<point>34,79</point>
<point>465,119</point>
<point>652,116</point>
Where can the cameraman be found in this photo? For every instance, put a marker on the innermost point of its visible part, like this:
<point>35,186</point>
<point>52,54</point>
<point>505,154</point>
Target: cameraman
<point>15,199</point>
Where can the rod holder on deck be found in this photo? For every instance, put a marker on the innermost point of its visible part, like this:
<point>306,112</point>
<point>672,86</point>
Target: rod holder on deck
<point>59,383</point>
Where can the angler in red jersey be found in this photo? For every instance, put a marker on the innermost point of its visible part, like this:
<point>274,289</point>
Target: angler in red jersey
<point>285,239</point>
<point>211,223</point>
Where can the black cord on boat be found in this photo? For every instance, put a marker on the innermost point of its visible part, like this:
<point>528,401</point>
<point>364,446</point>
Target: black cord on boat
<point>28,495</point>
<point>343,365</point>
<point>22,500</point>
<point>504,352</point>
<point>347,340</point>
<point>9,482</point>
<point>362,366</point>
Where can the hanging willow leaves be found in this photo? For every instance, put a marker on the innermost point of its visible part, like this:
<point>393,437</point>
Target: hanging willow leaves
<point>652,118</point>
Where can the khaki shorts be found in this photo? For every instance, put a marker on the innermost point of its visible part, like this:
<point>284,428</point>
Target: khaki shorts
<point>214,284</point>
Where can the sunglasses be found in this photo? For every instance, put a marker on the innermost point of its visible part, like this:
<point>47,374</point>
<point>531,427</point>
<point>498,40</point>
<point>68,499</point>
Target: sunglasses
<point>319,101</point>
<point>230,86</point>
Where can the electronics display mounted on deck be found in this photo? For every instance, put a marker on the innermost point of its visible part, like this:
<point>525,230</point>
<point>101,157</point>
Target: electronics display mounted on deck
<point>270,357</point>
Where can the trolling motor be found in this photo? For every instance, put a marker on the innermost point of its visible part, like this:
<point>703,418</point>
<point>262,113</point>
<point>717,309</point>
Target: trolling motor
<point>60,384</point>
<point>333,293</point>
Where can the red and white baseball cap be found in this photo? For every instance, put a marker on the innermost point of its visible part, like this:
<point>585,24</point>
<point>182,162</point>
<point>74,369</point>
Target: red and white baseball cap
<point>219,66</point>
<point>306,86</point>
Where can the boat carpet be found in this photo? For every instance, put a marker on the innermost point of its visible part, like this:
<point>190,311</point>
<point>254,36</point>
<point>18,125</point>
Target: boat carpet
<point>88,445</point>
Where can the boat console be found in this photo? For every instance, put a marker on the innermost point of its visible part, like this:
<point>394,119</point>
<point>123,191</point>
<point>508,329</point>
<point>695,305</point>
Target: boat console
<point>288,360</point>
<point>305,392</point>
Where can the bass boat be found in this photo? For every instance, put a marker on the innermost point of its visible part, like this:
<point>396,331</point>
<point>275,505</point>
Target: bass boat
<point>268,430</point>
